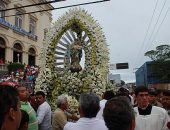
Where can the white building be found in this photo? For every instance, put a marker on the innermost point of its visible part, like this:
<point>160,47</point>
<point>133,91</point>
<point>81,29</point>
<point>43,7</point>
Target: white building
<point>115,78</point>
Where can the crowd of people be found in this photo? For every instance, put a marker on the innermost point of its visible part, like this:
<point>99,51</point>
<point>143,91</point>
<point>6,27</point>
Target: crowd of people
<point>29,73</point>
<point>113,112</point>
<point>26,76</point>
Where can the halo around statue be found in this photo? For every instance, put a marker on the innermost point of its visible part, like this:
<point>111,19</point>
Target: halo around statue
<point>73,33</point>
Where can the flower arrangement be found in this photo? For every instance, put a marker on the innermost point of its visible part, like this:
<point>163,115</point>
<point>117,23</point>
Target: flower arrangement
<point>73,104</point>
<point>93,77</point>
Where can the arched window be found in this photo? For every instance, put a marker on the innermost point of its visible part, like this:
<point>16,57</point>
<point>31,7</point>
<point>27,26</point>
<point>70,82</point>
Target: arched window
<point>32,51</point>
<point>17,53</point>
<point>18,47</point>
<point>2,42</point>
<point>31,56</point>
<point>2,50</point>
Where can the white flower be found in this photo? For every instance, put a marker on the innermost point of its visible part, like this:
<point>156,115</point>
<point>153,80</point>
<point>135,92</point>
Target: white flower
<point>95,51</point>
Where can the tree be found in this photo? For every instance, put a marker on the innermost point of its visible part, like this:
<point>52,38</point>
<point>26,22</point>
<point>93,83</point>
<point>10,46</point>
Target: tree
<point>162,53</point>
<point>151,54</point>
<point>161,62</point>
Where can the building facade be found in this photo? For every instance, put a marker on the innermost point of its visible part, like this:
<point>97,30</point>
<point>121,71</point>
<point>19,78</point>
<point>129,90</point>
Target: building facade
<point>115,78</point>
<point>21,36</point>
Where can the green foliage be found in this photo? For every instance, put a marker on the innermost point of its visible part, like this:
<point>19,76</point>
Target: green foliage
<point>161,53</point>
<point>15,66</point>
<point>160,68</point>
<point>151,54</point>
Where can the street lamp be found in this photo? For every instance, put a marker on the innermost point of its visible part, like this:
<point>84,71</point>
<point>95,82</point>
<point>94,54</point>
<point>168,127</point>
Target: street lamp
<point>18,57</point>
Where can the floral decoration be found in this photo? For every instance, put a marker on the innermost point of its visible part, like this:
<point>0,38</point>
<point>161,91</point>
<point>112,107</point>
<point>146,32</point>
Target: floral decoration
<point>93,78</point>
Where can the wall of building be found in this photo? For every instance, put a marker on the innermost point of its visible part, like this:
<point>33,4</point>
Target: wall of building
<point>11,36</point>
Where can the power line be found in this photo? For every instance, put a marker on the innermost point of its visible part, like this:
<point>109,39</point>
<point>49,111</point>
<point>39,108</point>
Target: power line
<point>155,26</point>
<point>152,43</point>
<point>58,8</point>
<point>156,23</point>
<point>42,3</point>
<point>142,45</point>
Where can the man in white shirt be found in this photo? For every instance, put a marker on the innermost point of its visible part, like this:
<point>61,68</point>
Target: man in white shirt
<point>149,117</point>
<point>88,108</point>
<point>43,112</point>
<point>106,96</point>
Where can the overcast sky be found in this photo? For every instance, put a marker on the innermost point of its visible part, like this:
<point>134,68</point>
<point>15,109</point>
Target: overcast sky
<point>125,24</point>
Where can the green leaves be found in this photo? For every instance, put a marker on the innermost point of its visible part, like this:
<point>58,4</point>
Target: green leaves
<point>162,53</point>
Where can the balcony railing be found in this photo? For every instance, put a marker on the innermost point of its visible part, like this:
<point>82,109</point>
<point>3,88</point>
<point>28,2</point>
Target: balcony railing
<point>17,29</point>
